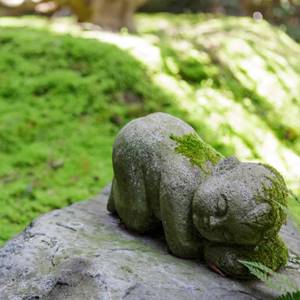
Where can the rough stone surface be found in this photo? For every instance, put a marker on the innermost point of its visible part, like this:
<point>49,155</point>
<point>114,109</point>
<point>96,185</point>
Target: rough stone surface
<point>82,252</point>
<point>164,173</point>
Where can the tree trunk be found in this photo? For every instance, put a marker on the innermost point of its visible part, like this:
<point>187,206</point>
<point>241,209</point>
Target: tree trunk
<point>115,14</point>
<point>27,7</point>
<point>109,14</point>
<point>81,8</point>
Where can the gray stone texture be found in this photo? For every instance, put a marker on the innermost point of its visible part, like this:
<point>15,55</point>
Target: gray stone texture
<point>83,253</point>
<point>153,183</point>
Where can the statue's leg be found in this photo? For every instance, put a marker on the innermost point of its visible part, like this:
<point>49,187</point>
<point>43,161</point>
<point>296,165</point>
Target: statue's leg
<point>176,213</point>
<point>130,199</point>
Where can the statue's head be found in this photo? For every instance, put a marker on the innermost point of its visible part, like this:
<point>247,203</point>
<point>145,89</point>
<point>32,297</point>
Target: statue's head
<point>240,203</point>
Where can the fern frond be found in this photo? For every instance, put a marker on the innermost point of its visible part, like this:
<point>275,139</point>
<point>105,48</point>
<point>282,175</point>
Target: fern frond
<point>253,267</point>
<point>273,280</point>
<point>290,296</point>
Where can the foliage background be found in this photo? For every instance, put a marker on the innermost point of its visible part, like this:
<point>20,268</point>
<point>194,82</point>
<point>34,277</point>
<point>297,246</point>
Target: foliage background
<point>65,92</point>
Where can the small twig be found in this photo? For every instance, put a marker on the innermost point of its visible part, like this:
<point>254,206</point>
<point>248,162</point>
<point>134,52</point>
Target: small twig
<point>213,267</point>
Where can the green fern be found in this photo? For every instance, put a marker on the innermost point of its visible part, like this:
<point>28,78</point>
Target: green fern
<point>290,296</point>
<point>273,280</point>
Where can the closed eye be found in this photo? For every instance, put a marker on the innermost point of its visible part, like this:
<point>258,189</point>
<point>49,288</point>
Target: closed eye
<point>254,226</point>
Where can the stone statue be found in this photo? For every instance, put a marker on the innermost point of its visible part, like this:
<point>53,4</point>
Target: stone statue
<point>209,206</point>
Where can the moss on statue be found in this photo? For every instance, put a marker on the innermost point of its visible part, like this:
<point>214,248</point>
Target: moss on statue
<point>198,152</point>
<point>276,195</point>
<point>272,253</point>
<point>271,250</point>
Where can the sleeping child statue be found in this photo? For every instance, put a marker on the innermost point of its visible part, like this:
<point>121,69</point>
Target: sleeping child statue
<point>209,206</point>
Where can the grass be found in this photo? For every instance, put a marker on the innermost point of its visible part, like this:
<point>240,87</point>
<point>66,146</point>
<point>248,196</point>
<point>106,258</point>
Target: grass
<point>63,99</point>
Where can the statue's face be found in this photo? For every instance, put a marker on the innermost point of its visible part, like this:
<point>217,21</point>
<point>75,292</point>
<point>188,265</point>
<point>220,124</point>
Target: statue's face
<point>228,206</point>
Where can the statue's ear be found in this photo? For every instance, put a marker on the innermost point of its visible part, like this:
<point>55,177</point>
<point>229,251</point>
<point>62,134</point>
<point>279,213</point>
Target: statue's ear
<point>259,216</point>
<point>226,164</point>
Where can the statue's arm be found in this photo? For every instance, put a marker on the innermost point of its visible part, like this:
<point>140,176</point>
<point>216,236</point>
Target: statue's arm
<point>176,192</point>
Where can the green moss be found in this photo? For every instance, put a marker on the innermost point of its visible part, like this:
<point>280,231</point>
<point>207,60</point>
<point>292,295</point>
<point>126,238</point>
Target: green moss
<point>276,195</point>
<point>272,253</point>
<point>198,152</point>
<point>62,102</point>
<point>280,184</point>
<point>190,69</point>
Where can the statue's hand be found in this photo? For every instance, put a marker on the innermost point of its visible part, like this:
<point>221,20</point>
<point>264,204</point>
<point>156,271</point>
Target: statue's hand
<point>271,253</point>
<point>225,260</point>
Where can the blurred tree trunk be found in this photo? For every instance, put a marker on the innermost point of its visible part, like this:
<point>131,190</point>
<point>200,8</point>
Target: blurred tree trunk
<point>175,6</point>
<point>81,8</point>
<point>115,14</point>
<point>265,7</point>
<point>27,7</point>
<point>109,14</point>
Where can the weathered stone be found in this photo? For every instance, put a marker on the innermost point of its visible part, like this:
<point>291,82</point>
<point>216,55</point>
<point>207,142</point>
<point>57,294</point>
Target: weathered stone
<point>164,173</point>
<point>82,252</point>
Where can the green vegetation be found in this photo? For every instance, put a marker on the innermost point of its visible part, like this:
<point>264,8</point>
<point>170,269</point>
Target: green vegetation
<point>272,253</point>
<point>63,100</point>
<point>277,196</point>
<point>198,152</point>
<point>290,296</point>
<point>276,281</point>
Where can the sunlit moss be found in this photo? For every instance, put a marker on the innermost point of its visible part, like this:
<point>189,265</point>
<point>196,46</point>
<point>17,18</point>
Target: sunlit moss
<point>235,80</point>
<point>62,101</point>
<point>198,152</point>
